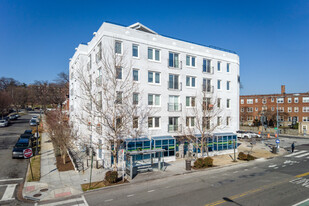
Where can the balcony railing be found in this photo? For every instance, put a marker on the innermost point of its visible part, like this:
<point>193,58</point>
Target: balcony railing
<point>208,89</point>
<point>173,86</point>
<point>174,128</point>
<point>174,64</point>
<point>174,107</point>
<point>208,69</point>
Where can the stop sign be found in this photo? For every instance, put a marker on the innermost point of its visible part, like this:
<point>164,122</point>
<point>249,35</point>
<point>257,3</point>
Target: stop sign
<point>27,153</point>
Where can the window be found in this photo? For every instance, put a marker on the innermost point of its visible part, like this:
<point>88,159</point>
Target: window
<point>190,121</point>
<point>219,66</point>
<point>135,50</point>
<point>228,119</point>
<point>219,102</point>
<point>154,100</point>
<point>256,100</point>
<point>135,122</point>
<point>250,118</point>
<point>272,99</point>
<point>135,75</point>
<point>295,109</point>
<point>227,67</point>
<point>289,109</point>
<point>305,109</point>
<point>153,122</point>
<point>118,122</point>
<point>190,81</point>
<point>118,47</point>
<point>264,108</point>
<point>119,98</point>
<point>173,82</point>
<point>206,122</point>
<point>228,103</point>
<point>250,109</point>
<point>154,54</point>
<point>305,119</point>
<point>289,100</point>
<point>272,108</point>
<point>296,100</point>
<point>264,101</point>
<point>241,101</point>
<point>256,109</point>
<point>219,84</point>
<point>249,101</point>
<point>190,61</point>
<point>242,109</point>
<point>218,121</point>
<point>289,119</point>
<point>99,53</point>
<point>118,73</point>
<point>190,101</point>
<point>173,103</point>
<point>154,77</point>
<point>173,124</point>
<point>228,85</point>
<point>173,60</point>
<point>206,65</point>
<point>135,98</point>
<point>281,109</point>
<point>305,99</point>
<point>281,119</point>
<point>207,85</point>
<point>280,100</point>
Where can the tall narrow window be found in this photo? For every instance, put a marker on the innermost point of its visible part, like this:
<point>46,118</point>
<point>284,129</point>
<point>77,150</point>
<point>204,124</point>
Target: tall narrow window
<point>206,65</point>
<point>219,84</point>
<point>135,122</point>
<point>173,81</point>
<point>228,85</point>
<point>135,50</point>
<point>173,60</point>
<point>118,49</point>
<point>135,75</point>
<point>119,98</point>
<point>135,98</point>
<point>228,103</point>
<point>219,66</point>
<point>118,73</point>
<point>227,67</point>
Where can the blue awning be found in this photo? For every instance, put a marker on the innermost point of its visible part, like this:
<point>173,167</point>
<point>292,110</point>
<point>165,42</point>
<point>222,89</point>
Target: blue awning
<point>216,134</point>
<point>137,139</point>
<point>162,138</point>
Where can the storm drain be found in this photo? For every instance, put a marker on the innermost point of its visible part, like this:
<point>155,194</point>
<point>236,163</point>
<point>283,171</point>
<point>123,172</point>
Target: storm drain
<point>44,190</point>
<point>37,195</point>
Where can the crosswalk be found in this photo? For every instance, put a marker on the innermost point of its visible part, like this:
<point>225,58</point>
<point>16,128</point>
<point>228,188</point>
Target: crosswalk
<point>299,154</point>
<point>79,201</point>
<point>7,189</point>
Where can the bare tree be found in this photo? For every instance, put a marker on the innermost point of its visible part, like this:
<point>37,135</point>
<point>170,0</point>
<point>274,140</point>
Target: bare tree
<point>244,115</point>
<point>5,102</point>
<point>59,131</point>
<point>203,118</point>
<point>19,96</point>
<point>113,106</point>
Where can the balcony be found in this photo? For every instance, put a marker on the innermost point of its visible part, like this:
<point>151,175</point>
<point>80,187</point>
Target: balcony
<point>174,107</point>
<point>173,86</point>
<point>172,64</point>
<point>208,89</point>
<point>99,81</point>
<point>208,69</point>
<point>174,128</point>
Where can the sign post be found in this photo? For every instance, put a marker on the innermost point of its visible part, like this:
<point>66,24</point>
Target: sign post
<point>27,155</point>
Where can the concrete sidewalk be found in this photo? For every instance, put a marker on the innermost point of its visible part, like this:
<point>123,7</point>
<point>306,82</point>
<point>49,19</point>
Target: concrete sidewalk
<point>54,184</point>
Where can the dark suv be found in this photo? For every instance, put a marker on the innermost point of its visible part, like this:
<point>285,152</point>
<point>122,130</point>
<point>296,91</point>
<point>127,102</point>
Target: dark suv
<point>20,146</point>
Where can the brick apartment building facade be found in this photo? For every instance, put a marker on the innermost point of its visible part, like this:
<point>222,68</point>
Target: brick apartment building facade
<point>291,106</point>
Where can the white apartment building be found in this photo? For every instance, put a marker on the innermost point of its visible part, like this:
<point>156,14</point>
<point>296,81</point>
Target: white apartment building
<point>172,75</point>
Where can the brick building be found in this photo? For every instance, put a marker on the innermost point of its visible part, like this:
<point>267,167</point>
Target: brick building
<point>292,106</point>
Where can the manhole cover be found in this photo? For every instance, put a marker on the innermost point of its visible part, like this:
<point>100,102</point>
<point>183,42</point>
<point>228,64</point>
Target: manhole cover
<point>43,190</point>
<point>37,195</point>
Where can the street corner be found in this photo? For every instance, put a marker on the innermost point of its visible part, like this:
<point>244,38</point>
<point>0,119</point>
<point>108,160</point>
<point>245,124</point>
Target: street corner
<point>34,191</point>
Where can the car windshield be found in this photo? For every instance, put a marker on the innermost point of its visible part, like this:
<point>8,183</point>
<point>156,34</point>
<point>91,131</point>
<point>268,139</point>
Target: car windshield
<point>2,121</point>
<point>21,145</point>
<point>33,120</point>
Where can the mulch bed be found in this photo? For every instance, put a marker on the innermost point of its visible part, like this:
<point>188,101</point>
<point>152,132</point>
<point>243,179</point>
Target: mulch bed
<point>97,185</point>
<point>64,167</point>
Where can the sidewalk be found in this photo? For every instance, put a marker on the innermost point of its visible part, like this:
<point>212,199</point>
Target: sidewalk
<point>54,184</point>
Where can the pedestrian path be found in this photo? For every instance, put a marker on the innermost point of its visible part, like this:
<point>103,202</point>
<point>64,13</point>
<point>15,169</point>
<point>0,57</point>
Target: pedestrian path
<point>80,201</point>
<point>7,189</point>
<point>298,153</point>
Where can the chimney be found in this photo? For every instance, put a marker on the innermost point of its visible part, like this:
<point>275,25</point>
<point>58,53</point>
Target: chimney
<point>282,89</point>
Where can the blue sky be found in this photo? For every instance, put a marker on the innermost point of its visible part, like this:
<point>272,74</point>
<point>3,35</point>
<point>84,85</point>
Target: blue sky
<point>37,38</point>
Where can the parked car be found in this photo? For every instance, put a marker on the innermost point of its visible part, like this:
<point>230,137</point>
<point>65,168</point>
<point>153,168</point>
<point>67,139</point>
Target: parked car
<point>247,134</point>
<point>20,146</point>
<point>33,122</point>
<point>4,123</point>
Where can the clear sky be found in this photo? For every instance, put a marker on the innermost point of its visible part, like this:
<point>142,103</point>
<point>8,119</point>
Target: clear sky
<point>37,38</point>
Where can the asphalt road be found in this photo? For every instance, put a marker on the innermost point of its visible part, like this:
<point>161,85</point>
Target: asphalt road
<point>12,171</point>
<point>263,182</point>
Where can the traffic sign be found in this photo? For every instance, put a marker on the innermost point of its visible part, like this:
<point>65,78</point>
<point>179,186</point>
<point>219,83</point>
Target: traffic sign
<point>277,141</point>
<point>27,153</point>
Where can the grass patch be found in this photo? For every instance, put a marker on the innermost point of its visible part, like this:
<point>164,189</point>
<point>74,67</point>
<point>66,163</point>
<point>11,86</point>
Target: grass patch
<point>36,169</point>
<point>100,184</point>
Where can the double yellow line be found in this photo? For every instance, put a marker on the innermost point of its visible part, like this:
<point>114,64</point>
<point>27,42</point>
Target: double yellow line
<point>255,190</point>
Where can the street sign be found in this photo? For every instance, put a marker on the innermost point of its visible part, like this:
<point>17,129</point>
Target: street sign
<point>27,153</point>
<point>277,141</point>
<point>276,128</point>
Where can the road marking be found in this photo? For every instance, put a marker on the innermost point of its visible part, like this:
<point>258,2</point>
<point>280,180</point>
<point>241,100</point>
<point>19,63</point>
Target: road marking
<point>272,165</point>
<point>283,165</point>
<point>255,190</point>
<point>246,169</point>
<point>300,203</point>
<point>295,153</point>
<point>151,190</point>
<point>289,162</point>
<point>235,172</point>
<point>109,200</point>
<point>14,179</point>
<point>302,155</point>
<point>67,202</point>
<point>275,168</point>
<point>9,193</point>
<point>84,199</point>
<point>130,195</point>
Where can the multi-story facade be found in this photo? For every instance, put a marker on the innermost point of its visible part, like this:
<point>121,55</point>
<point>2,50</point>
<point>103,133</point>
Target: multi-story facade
<point>292,107</point>
<point>172,75</point>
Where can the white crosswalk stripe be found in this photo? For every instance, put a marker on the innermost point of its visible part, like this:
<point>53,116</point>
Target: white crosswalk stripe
<point>302,155</point>
<point>81,201</point>
<point>295,153</point>
<point>8,193</point>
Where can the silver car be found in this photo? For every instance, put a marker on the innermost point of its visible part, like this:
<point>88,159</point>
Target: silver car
<point>4,123</point>
<point>32,122</point>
